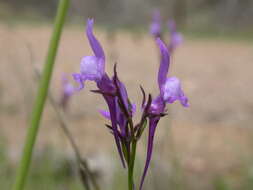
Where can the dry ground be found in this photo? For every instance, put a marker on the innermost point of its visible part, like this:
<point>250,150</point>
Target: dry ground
<point>214,134</point>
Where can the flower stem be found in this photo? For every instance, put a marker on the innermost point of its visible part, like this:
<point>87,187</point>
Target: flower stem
<point>22,171</point>
<point>131,166</point>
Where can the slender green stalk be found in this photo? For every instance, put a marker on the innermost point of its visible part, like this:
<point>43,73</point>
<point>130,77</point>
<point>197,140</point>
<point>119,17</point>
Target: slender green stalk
<point>22,171</point>
<point>131,166</point>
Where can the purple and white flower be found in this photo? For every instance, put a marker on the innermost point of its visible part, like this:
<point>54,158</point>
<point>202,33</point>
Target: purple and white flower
<point>176,38</point>
<point>170,91</point>
<point>92,68</point>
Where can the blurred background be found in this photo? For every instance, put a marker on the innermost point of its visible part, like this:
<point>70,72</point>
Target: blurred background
<point>207,146</point>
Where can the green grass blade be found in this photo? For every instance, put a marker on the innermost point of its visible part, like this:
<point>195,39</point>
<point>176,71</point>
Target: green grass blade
<point>22,171</point>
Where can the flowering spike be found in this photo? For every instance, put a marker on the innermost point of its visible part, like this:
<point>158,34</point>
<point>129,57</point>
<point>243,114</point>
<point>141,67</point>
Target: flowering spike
<point>170,91</point>
<point>121,110</point>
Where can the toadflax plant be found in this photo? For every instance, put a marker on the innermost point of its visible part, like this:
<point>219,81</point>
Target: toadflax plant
<point>121,110</point>
<point>176,38</point>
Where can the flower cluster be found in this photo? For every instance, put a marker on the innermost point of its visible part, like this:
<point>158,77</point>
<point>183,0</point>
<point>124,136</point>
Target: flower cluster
<point>67,91</point>
<point>176,38</point>
<point>120,109</point>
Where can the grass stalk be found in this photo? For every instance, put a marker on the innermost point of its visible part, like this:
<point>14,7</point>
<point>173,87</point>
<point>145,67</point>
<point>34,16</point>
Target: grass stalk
<point>38,108</point>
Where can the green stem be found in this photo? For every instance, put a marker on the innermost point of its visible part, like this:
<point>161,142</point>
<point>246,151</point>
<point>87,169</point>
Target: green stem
<point>131,166</point>
<point>22,171</point>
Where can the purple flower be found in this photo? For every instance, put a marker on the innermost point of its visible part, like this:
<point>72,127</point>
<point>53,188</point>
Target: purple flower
<point>120,109</point>
<point>155,26</point>
<point>91,67</point>
<point>67,91</point>
<point>113,90</point>
<point>170,91</point>
<point>170,87</point>
<point>176,38</point>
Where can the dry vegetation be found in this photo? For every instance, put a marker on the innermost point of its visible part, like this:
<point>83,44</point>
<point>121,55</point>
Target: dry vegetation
<point>212,137</point>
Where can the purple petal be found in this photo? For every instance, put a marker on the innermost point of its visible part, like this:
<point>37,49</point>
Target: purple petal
<point>184,101</point>
<point>105,113</point>
<point>112,108</point>
<point>123,93</point>
<point>78,78</point>
<point>106,85</point>
<point>91,68</point>
<point>172,91</point>
<point>133,109</point>
<point>176,40</point>
<point>121,120</point>
<point>152,127</point>
<point>164,63</point>
<point>157,105</point>
<point>155,27</point>
<point>95,45</point>
<point>122,88</point>
<point>175,37</point>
